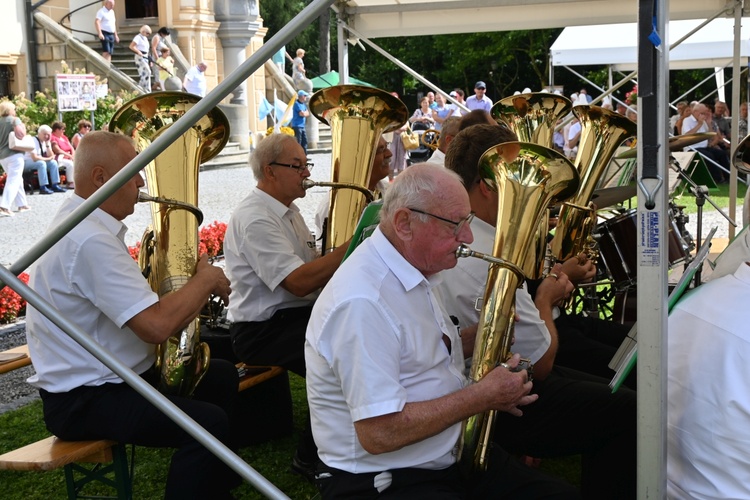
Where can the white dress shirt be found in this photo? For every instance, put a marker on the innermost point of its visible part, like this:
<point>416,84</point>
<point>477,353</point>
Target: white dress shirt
<point>264,243</point>
<point>708,416</point>
<point>90,277</point>
<point>374,343</point>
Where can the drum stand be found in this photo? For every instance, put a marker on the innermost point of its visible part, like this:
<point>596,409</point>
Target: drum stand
<point>701,196</point>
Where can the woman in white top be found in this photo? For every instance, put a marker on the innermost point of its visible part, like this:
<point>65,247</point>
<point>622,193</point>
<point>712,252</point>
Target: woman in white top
<point>141,48</point>
<point>158,42</point>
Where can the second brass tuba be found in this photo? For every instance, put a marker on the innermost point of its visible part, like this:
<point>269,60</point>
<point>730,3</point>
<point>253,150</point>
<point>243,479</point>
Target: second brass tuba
<point>532,116</point>
<point>602,131</point>
<point>527,178</point>
<point>169,251</point>
<point>358,116</point>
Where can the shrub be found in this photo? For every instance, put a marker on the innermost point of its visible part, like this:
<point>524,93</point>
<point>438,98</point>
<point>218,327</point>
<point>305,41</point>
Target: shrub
<point>211,241</point>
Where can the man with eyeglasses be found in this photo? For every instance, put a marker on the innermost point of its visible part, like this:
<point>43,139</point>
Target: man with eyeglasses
<point>385,379</point>
<point>576,413</point>
<point>271,257</point>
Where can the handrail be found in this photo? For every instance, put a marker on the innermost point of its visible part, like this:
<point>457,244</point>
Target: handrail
<point>9,276</point>
<point>69,14</point>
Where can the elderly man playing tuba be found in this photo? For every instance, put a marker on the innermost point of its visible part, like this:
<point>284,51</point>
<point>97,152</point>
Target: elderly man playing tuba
<point>576,413</point>
<point>385,378</point>
<point>90,274</point>
<point>272,260</point>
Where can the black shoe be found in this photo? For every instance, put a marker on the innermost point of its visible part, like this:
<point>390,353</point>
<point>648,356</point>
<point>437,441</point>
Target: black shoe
<point>45,190</point>
<point>57,189</point>
<point>304,469</point>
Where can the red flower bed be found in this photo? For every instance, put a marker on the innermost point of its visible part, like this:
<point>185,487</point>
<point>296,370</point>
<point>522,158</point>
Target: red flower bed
<point>211,241</point>
<point>11,304</point>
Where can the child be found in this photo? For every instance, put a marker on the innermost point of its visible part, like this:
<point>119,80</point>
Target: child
<point>165,65</point>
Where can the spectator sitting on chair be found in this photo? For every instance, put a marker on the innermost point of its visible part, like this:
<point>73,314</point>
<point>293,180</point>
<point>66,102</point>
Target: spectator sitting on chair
<point>42,161</point>
<point>63,150</point>
<point>84,127</point>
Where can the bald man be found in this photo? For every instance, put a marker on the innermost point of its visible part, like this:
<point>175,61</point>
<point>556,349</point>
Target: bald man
<point>90,276</point>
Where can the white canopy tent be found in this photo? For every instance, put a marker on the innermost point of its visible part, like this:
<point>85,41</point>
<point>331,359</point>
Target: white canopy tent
<point>617,45</point>
<point>388,18</point>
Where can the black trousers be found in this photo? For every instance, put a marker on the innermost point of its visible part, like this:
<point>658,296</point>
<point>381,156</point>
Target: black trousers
<point>118,412</point>
<point>577,413</point>
<point>505,477</point>
<point>278,341</point>
<point>588,345</point>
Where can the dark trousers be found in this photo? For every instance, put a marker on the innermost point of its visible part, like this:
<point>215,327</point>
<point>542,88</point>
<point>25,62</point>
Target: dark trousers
<point>119,413</point>
<point>278,341</point>
<point>577,413</point>
<point>505,477</point>
<point>301,135</point>
<point>588,345</point>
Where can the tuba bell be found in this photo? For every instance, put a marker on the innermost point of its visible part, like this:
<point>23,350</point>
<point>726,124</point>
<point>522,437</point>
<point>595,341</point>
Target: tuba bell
<point>358,116</point>
<point>527,178</point>
<point>532,116</point>
<point>169,250</point>
<point>602,131</point>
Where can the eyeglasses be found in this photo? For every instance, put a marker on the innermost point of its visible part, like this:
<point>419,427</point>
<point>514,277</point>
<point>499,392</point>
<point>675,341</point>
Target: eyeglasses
<point>87,126</point>
<point>459,224</point>
<point>299,168</point>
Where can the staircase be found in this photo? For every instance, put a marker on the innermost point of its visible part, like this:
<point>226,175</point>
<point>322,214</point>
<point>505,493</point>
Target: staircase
<point>229,157</point>
<point>324,140</point>
<point>122,58</point>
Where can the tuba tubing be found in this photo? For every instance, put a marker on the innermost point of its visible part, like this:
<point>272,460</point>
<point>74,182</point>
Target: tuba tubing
<point>527,178</point>
<point>602,131</point>
<point>169,250</point>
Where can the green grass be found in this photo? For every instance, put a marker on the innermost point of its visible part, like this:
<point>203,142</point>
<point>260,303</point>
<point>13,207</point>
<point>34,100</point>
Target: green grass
<point>23,426</point>
<point>720,196</point>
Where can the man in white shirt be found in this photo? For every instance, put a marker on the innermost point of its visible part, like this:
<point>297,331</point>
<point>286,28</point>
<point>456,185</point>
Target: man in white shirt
<point>576,413</point>
<point>272,259</point>
<point>708,424</point>
<point>195,80</point>
<point>385,382</point>
<point>479,100</point>
<point>90,276</point>
<point>106,28</point>
<point>447,133</point>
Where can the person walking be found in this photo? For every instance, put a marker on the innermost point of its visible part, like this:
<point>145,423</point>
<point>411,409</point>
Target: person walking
<point>11,161</point>
<point>106,28</point>
<point>195,80</point>
<point>140,47</point>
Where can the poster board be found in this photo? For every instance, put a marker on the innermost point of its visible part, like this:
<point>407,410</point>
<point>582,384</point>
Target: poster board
<point>75,92</point>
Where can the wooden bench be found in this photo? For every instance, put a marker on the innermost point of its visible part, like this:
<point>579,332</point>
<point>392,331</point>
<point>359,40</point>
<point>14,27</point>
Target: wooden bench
<point>20,362</point>
<point>52,453</point>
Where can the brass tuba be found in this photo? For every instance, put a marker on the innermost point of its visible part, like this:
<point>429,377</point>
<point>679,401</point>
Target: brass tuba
<point>602,131</point>
<point>532,116</point>
<point>527,178</point>
<point>358,116</point>
<point>169,251</point>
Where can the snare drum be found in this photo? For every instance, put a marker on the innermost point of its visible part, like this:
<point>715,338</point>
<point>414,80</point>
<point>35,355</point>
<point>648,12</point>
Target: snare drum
<point>618,241</point>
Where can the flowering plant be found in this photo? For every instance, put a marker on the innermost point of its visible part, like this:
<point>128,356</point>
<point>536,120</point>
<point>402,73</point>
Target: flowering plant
<point>632,96</point>
<point>211,241</point>
<point>284,130</point>
<point>11,304</point>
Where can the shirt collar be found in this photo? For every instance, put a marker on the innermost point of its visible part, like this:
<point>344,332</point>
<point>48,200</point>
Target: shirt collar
<point>409,276</point>
<point>278,208</point>
<point>743,272</point>
<point>112,225</point>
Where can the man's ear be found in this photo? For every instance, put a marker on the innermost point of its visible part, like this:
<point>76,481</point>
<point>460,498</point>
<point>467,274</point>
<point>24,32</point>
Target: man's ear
<point>99,176</point>
<point>402,224</point>
<point>485,190</point>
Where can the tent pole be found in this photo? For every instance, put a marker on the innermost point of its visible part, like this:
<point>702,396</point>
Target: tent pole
<point>734,140</point>
<point>652,214</point>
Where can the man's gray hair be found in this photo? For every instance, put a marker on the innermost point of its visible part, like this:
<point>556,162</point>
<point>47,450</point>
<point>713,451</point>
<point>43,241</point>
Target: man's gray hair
<point>416,187</point>
<point>267,151</point>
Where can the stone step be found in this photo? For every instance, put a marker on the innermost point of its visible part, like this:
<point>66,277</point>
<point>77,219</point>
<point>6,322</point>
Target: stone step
<point>232,156</point>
